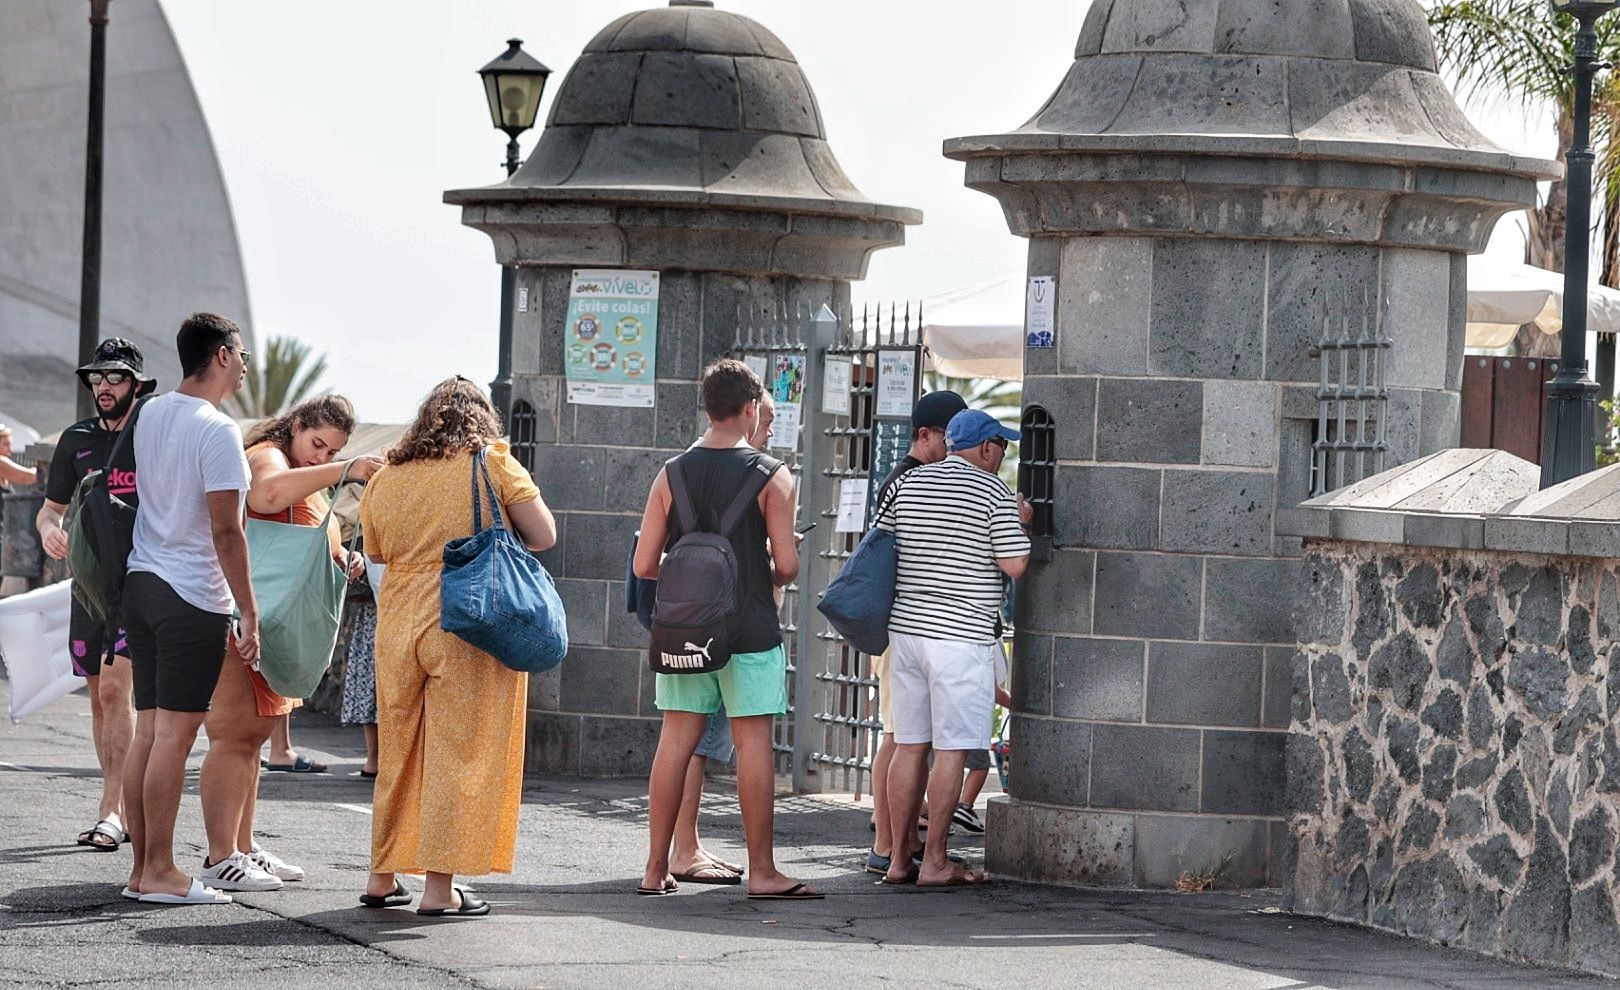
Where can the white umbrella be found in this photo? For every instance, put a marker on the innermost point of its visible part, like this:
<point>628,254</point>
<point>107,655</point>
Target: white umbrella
<point>1502,296</point>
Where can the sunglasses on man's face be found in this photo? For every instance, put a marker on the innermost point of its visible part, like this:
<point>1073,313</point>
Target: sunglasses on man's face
<point>110,377</point>
<point>244,355</point>
<point>999,442</point>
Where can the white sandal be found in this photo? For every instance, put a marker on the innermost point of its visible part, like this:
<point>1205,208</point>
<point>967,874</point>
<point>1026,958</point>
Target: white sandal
<point>198,894</point>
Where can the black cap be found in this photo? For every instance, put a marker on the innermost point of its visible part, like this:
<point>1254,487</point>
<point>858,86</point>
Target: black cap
<point>118,354</point>
<point>936,409</point>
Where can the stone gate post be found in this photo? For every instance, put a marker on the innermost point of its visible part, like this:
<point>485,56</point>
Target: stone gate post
<point>685,140</point>
<point>1208,173</point>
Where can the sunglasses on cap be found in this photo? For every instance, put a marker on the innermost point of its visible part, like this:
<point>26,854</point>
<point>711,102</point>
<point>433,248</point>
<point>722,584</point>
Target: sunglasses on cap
<point>110,377</point>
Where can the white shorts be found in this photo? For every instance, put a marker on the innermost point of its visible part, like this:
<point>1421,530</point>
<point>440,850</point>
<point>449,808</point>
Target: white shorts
<point>944,691</point>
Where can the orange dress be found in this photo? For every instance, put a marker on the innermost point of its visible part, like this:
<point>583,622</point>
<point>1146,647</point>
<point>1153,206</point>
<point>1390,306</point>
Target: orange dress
<point>309,512</point>
<point>451,720</point>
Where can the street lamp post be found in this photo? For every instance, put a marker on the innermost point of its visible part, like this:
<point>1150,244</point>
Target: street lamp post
<point>90,265</point>
<point>1568,446</point>
<point>513,85</point>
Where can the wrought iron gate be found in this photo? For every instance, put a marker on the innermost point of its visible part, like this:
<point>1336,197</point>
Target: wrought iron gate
<point>831,732</point>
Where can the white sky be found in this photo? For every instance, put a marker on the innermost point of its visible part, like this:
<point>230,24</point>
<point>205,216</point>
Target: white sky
<point>339,124</point>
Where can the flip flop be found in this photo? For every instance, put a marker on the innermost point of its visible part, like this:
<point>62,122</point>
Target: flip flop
<point>103,836</point>
<point>371,775</point>
<point>129,895</point>
<point>967,878</point>
<point>301,765</point>
<point>398,898</point>
<point>736,868</point>
<point>669,887</point>
<point>198,894</point>
<point>470,907</point>
<point>910,877</point>
<point>714,873</point>
<point>797,892</point>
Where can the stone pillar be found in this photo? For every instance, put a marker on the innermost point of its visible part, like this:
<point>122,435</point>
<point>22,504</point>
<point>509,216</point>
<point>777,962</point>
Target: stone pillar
<point>686,140</point>
<point>1208,174</point>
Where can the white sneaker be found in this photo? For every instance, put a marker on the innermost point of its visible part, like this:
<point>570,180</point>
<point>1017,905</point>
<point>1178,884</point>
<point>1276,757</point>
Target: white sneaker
<point>274,865</point>
<point>237,872</point>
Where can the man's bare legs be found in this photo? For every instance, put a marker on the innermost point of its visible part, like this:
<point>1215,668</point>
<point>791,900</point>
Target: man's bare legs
<point>908,775</point>
<point>135,763</point>
<point>884,837</point>
<point>281,747</point>
<point>174,733</point>
<point>756,793</point>
<point>665,786</point>
<point>689,855</point>
<point>944,791</point>
<point>113,725</point>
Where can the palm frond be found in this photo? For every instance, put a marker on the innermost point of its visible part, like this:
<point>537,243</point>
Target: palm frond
<point>287,372</point>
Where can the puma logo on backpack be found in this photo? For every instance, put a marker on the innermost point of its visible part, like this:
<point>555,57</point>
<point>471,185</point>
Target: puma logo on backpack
<point>697,580</point>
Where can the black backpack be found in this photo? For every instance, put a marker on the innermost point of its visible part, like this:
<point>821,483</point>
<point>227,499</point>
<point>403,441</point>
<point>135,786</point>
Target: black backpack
<point>101,533</point>
<point>697,580</point>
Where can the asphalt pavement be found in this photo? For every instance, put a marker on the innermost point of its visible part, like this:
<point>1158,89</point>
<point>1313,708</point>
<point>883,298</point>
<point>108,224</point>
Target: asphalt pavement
<point>568,918</point>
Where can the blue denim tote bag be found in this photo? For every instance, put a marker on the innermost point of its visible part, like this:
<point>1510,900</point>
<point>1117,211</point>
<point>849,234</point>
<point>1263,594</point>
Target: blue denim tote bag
<point>495,595</point>
<point>860,598</point>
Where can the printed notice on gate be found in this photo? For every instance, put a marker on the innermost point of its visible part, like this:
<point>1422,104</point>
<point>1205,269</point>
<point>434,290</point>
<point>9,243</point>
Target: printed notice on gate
<point>787,391</point>
<point>835,380</point>
<point>896,383</point>
<point>1040,307</point>
<point>851,505</point>
<point>610,343</point>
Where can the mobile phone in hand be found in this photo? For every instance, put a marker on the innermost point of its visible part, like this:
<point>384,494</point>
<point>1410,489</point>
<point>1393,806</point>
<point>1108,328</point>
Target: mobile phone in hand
<point>807,527</point>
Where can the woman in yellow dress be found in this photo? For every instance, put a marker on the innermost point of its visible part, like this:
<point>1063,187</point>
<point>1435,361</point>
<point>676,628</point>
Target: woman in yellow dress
<point>450,718</point>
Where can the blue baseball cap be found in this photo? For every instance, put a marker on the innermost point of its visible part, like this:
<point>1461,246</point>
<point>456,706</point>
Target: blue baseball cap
<point>971,427</point>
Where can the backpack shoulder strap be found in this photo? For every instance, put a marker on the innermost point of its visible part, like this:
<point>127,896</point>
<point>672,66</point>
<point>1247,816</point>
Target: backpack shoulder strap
<point>685,513</point>
<point>763,468</point>
<point>128,430</point>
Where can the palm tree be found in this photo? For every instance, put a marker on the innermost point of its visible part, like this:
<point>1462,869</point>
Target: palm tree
<point>1520,51</point>
<point>285,374</point>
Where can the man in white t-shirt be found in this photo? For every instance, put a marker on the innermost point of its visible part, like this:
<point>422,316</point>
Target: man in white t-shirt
<point>957,530</point>
<point>188,571</point>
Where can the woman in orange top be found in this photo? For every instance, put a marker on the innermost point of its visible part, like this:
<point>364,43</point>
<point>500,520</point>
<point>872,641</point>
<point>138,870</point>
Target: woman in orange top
<point>293,459</point>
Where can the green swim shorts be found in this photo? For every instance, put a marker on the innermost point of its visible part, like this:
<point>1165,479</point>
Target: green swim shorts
<point>751,684</point>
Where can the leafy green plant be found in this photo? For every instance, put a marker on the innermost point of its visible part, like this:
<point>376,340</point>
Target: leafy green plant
<point>285,373</point>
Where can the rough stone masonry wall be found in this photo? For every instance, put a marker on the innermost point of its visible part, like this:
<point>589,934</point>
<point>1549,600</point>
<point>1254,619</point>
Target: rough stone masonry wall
<point>1453,772</point>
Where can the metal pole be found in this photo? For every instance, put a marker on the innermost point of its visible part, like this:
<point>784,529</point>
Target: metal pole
<point>500,390</point>
<point>1568,445</point>
<point>816,494</point>
<point>90,269</point>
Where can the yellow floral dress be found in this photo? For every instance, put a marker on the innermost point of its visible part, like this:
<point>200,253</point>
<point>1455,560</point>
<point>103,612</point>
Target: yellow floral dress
<point>450,718</point>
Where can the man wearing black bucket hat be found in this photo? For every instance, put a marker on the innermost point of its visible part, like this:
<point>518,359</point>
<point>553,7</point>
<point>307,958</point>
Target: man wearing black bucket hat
<point>116,377</point>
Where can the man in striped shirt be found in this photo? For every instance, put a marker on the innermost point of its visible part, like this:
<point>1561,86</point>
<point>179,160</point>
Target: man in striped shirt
<point>958,530</point>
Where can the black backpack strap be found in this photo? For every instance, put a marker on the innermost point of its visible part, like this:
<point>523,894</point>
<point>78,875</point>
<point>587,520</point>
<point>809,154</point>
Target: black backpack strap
<point>685,513</point>
<point>763,469</point>
<point>128,430</point>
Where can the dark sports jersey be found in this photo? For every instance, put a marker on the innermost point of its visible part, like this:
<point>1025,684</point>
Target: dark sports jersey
<point>84,447</point>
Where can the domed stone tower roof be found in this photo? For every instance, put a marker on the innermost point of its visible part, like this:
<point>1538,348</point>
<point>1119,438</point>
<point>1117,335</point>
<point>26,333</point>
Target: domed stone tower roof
<point>1348,79</point>
<point>685,137</point>
<point>687,98</point>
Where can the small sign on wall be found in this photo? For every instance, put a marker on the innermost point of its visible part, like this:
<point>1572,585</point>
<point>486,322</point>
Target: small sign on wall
<point>835,380</point>
<point>1040,312</point>
<point>523,299</point>
<point>610,338</point>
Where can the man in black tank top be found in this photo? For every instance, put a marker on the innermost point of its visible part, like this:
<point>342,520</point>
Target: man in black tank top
<point>753,685</point>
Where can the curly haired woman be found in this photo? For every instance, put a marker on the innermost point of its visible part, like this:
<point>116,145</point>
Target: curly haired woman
<point>450,718</point>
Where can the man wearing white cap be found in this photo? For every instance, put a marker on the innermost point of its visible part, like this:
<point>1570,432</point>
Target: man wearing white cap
<point>958,529</point>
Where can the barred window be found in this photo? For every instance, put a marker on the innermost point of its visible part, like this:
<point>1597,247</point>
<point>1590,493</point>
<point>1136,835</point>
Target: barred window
<point>523,444</point>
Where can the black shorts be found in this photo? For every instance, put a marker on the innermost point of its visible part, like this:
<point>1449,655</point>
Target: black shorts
<point>978,759</point>
<point>175,648</point>
<point>87,643</point>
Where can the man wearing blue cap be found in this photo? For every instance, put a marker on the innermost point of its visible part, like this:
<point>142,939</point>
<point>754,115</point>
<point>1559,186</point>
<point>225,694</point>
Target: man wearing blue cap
<point>958,529</point>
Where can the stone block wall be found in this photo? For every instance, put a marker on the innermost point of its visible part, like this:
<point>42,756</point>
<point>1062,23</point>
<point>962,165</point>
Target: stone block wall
<point>1152,669</point>
<point>594,715</point>
<point>1453,767</point>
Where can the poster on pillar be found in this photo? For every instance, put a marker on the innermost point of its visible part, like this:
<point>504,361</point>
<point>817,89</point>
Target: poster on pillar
<point>610,340</point>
